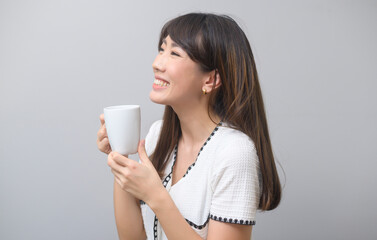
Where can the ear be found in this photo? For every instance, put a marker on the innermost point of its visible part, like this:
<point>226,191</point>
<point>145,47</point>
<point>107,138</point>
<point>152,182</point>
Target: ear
<point>212,82</point>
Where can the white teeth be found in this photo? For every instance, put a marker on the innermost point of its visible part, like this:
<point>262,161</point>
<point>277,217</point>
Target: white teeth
<point>161,83</point>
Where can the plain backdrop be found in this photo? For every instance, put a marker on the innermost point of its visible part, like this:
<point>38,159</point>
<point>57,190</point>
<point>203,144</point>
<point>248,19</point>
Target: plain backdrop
<point>62,62</point>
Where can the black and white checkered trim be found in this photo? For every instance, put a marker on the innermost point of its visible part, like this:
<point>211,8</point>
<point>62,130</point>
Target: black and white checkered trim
<point>231,220</point>
<point>201,149</point>
<point>196,225</point>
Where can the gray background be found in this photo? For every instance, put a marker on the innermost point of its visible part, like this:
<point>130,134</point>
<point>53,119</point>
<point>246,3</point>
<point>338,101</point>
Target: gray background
<point>61,62</point>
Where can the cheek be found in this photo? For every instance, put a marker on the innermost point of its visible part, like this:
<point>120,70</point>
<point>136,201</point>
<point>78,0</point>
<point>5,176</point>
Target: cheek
<point>186,76</point>
<point>187,89</point>
<point>186,80</point>
<point>176,72</point>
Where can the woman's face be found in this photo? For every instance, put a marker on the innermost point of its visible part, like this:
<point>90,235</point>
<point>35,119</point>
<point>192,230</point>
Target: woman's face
<point>178,79</point>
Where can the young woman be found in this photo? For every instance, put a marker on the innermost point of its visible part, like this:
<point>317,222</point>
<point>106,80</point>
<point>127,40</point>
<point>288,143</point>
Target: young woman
<point>208,166</point>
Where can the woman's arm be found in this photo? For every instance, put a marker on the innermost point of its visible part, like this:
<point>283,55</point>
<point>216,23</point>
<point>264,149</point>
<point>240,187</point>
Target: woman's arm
<point>128,217</point>
<point>220,230</point>
<point>176,227</point>
<point>171,219</point>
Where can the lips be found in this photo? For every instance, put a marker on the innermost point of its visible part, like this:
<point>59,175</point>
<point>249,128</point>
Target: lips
<point>161,83</point>
<point>161,79</point>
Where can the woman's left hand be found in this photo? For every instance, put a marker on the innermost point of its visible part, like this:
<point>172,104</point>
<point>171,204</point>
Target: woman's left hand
<point>139,179</point>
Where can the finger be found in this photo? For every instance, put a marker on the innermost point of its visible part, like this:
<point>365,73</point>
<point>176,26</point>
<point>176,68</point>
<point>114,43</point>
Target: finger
<point>102,119</point>
<point>117,174</point>
<point>102,133</point>
<point>118,181</point>
<point>142,152</point>
<point>103,145</point>
<point>122,160</point>
<point>113,164</point>
<point>118,177</point>
<point>123,175</point>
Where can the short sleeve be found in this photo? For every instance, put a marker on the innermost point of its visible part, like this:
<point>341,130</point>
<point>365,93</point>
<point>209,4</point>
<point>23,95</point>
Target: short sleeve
<point>235,184</point>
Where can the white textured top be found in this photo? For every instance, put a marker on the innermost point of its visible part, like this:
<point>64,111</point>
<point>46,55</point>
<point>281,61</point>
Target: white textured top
<point>223,184</point>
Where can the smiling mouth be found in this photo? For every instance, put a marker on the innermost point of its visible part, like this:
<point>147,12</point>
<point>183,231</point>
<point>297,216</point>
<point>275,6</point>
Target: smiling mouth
<point>161,83</point>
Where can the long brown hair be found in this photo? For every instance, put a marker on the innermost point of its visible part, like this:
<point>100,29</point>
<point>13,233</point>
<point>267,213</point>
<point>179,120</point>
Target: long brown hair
<point>216,42</point>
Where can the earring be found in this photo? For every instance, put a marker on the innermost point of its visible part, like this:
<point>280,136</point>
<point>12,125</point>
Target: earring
<point>204,91</point>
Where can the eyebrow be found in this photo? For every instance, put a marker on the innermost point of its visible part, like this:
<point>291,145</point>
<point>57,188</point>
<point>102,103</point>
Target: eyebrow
<point>173,44</point>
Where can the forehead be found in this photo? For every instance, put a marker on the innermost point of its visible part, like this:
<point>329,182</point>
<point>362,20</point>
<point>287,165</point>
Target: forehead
<point>169,41</point>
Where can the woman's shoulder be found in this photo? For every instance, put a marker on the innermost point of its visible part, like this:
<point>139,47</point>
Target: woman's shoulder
<point>232,138</point>
<point>234,147</point>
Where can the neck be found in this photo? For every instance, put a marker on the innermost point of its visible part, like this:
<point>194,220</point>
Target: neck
<point>196,124</point>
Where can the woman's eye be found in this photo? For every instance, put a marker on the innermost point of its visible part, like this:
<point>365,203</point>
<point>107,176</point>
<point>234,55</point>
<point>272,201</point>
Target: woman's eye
<point>175,54</point>
<point>160,49</point>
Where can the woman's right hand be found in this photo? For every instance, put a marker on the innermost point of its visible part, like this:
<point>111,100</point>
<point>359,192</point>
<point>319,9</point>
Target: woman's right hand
<point>102,138</point>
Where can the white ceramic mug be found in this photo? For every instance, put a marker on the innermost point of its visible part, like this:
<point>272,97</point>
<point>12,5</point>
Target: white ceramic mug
<point>123,128</point>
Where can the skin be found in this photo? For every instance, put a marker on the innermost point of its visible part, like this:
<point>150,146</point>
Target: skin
<point>140,180</point>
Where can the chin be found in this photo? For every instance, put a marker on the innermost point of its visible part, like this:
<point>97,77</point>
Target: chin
<point>156,99</point>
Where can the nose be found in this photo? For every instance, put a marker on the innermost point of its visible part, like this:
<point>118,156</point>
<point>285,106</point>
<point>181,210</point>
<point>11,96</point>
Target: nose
<point>159,63</point>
